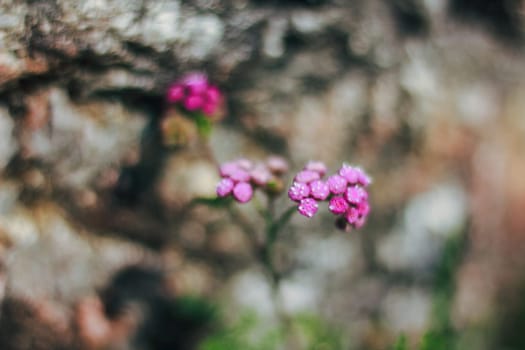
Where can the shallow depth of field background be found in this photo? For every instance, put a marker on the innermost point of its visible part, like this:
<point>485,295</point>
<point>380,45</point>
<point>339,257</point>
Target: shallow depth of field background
<point>427,95</point>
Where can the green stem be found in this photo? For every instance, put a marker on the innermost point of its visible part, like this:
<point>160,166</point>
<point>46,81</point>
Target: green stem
<point>263,250</point>
<point>273,228</point>
<point>245,225</point>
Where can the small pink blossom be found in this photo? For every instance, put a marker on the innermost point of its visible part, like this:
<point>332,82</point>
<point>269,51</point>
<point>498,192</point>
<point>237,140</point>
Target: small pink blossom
<point>364,208</point>
<point>363,178</point>
<point>243,192</point>
<point>352,215</point>
<point>298,191</point>
<point>240,175</point>
<point>308,207</point>
<point>213,95</point>
<point>349,173</point>
<point>175,93</point>
<point>318,167</point>
<point>319,190</point>
<point>307,176</point>
<point>225,187</point>
<point>277,165</point>
<point>193,102</point>
<point>196,83</point>
<point>195,93</point>
<point>360,222</point>
<point>209,108</point>
<point>260,175</point>
<point>212,100</point>
<point>338,205</point>
<point>356,194</point>
<point>244,163</point>
<point>228,168</point>
<point>345,191</point>
<point>337,184</point>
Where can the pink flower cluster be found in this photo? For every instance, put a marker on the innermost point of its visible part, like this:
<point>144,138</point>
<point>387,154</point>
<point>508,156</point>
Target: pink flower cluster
<point>241,177</point>
<point>345,192</point>
<point>195,93</point>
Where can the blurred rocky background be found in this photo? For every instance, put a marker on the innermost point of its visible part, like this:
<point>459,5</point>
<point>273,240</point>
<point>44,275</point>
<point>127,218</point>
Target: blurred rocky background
<point>427,95</point>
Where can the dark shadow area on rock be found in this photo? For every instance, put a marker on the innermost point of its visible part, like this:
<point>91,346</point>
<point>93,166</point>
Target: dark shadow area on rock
<point>500,17</point>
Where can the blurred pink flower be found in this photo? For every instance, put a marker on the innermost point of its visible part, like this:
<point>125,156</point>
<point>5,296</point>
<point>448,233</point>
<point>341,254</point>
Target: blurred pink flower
<point>355,194</point>
<point>349,173</point>
<point>345,192</point>
<point>298,191</point>
<point>244,172</point>
<point>307,176</point>
<point>318,167</point>
<point>194,93</point>
<point>243,192</point>
<point>260,175</point>
<point>196,83</point>
<point>337,184</point>
<point>277,165</point>
<point>175,93</point>
<point>338,205</point>
<point>308,207</point>
<point>193,102</point>
<point>319,190</point>
<point>225,187</point>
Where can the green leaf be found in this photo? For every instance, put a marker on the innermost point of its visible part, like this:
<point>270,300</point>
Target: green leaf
<point>245,334</point>
<point>438,341</point>
<point>204,124</point>
<point>319,334</point>
<point>275,227</point>
<point>401,343</point>
<point>194,310</point>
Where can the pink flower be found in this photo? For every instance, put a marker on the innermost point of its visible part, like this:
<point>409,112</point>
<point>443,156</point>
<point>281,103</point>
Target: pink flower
<point>360,222</point>
<point>213,95</point>
<point>338,205</point>
<point>241,178</point>
<point>260,175</point>
<point>193,102</point>
<point>226,169</point>
<point>195,93</point>
<point>209,108</point>
<point>352,215</point>
<point>243,192</point>
<point>240,175</point>
<point>319,190</point>
<point>349,173</point>
<point>244,163</point>
<point>307,176</point>
<point>337,184</point>
<point>225,187</point>
<point>345,191</point>
<point>212,100</point>
<point>318,167</point>
<point>363,208</point>
<point>363,178</point>
<point>196,83</point>
<point>277,165</point>
<point>298,191</point>
<point>308,207</point>
<point>175,93</point>
<point>356,194</point>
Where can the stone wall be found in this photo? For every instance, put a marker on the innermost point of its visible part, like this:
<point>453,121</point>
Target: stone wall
<point>427,95</point>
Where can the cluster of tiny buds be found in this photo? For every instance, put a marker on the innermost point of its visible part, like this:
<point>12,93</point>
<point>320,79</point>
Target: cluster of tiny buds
<point>194,93</point>
<point>241,177</point>
<point>345,192</point>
